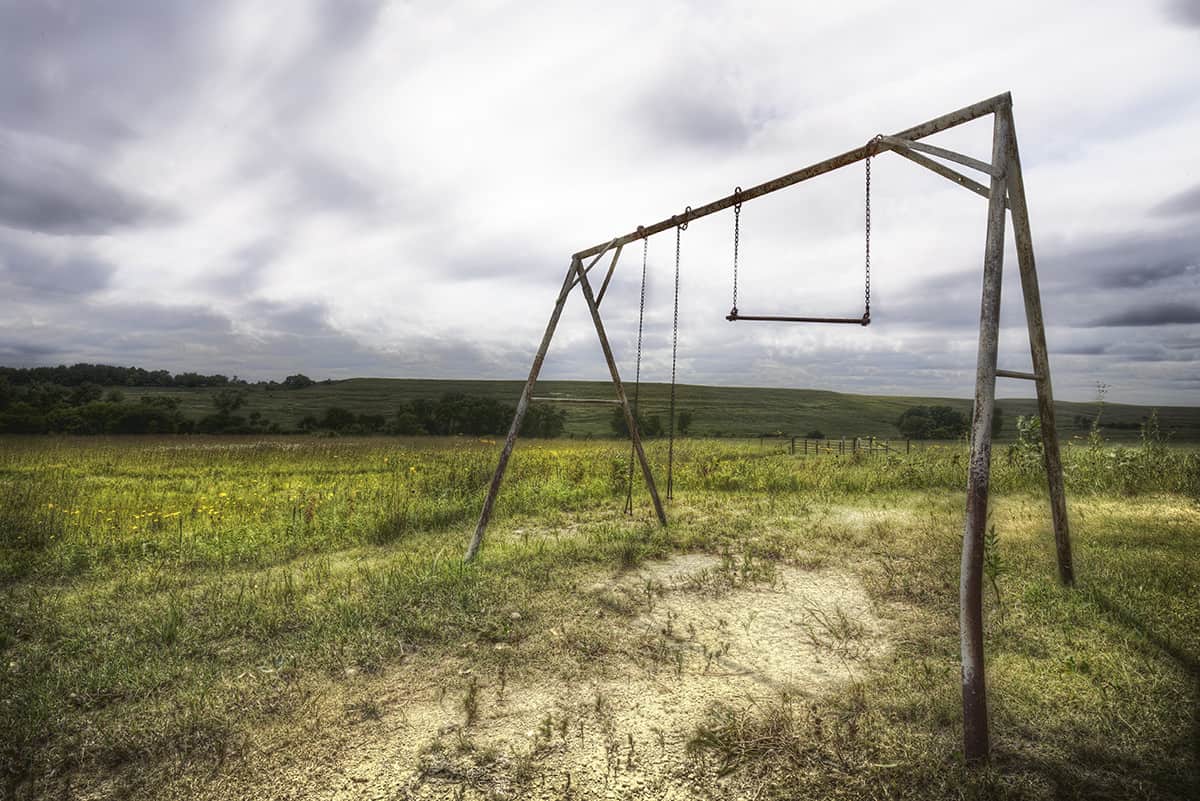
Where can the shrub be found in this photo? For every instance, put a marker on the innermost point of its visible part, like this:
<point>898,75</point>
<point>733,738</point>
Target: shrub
<point>932,422</point>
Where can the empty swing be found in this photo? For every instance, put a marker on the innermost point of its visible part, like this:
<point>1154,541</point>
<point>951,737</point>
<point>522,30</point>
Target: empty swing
<point>680,227</point>
<point>734,315</point>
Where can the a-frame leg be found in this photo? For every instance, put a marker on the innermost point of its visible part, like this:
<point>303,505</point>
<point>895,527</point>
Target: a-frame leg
<point>522,406</point>
<point>1041,359</point>
<point>974,689</point>
<point>630,421</point>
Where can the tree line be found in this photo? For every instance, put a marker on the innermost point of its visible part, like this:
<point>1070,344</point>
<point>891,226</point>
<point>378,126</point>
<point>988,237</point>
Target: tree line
<point>108,375</point>
<point>87,408</point>
<point>454,413</point>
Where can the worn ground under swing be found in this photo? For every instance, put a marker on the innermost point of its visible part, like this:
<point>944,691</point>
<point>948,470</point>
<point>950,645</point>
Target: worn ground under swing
<point>702,637</point>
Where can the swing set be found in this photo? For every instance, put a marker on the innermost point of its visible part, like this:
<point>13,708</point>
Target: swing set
<point>1005,192</point>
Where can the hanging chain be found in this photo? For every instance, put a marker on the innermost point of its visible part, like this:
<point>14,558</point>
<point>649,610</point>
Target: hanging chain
<point>867,246</point>
<point>637,379</point>
<point>737,228</point>
<point>679,229</point>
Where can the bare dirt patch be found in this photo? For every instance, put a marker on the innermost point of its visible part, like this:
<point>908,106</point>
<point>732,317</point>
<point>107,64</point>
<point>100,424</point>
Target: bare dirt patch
<point>690,631</point>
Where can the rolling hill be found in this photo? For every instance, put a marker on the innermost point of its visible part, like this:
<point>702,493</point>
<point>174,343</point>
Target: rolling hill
<point>719,411</point>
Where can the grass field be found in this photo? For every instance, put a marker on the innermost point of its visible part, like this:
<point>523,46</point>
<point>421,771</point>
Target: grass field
<point>719,411</point>
<point>232,617</point>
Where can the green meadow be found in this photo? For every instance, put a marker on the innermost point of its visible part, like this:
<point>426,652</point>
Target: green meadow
<point>211,617</point>
<point>718,411</point>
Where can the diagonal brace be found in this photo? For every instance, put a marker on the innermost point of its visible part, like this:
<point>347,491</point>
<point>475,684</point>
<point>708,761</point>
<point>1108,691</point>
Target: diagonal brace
<point>630,420</point>
<point>940,152</point>
<point>579,277</point>
<point>945,172</point>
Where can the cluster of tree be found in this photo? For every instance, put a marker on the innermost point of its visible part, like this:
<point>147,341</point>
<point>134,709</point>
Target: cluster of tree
<point>649,425</point>
<point>42,408</point>
<point>941,422</point>
<point>452,414</point>
<point>932,422</point>
<point>110,376</point>
<point>226,420</point>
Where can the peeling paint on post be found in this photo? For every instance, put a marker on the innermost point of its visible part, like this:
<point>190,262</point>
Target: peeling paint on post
<point>1041,360</point>
<point>974,686</point>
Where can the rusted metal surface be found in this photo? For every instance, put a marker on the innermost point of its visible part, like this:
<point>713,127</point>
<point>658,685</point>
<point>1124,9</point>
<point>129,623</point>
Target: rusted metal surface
<point>936,125</point>
<point>630,420</point>
<point>941,152</point>
<point>974,687</point>
<point>1041,359</point>
<point>522,406</point>
<point>944,171</point>
<point>864,320</point>
<point>596,259</point>
<point>608,276</point>
<point>1016,374</point>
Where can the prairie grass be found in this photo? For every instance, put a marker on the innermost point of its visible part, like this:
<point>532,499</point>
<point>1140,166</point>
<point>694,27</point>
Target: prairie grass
<point>166,599</point>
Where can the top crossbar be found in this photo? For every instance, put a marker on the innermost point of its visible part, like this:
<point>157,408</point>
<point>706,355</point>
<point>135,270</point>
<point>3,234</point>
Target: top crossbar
<point>872,147</point>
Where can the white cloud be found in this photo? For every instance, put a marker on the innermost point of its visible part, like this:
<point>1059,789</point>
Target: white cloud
<point>422,172</point>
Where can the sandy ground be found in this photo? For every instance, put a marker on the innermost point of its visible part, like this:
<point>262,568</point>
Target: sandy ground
<point>698,630</point>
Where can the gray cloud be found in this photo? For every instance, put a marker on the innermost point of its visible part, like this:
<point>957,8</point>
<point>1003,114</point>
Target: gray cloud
<point>342,25</point>
<point>45,194</point>
<point>96,73</point>
<point>685,119</point>
<point>322,184</point>
<point>1167,313</point>
<point>1185,203</point>
<point>1128,260</point>
<point>1185,12</point>
<point>269,339</point>
<point>41,276</point>
<point>702,104</point>
<point>1083,350</point>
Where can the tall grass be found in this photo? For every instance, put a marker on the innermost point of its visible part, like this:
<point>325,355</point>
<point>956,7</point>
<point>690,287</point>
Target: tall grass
<point>162,597</point>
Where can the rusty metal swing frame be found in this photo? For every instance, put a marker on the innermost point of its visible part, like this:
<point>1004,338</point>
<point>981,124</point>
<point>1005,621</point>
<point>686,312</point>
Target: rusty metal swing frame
<point>1005,191</point>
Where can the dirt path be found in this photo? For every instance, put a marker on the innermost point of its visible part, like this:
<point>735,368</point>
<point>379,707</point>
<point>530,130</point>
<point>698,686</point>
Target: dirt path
<point>696,631</point>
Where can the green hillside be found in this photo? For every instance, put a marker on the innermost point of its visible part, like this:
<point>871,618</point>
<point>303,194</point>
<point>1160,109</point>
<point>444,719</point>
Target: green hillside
<point>719,411</point>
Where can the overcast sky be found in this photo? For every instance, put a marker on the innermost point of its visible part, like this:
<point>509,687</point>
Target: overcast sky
<point>395,188</point>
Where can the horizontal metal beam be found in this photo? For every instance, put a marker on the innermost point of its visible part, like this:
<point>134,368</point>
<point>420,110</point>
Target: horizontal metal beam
<point>945,172</point>
<point>578,400</point>
<point>1015,374</point>
<point>942,123</point>
<point>940,152</point>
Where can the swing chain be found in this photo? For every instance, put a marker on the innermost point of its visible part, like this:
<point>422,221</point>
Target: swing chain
<point>679,229</point>
<point>867,290</point>
<point>737,228</point>
<point>637,380</point>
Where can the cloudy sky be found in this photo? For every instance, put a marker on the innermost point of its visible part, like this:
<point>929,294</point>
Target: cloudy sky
<point>395,188</point>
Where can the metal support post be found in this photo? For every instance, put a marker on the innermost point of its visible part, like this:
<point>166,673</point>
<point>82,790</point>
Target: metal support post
<point>522,406</point>
<point>1041,358</point>
<point>974,688</point>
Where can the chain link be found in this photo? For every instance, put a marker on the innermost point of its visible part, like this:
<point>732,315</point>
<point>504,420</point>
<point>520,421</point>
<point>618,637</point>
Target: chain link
<point>679,229</point>
<point>737,230</point>
<point>637,376</point>
<point>867,247</point>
